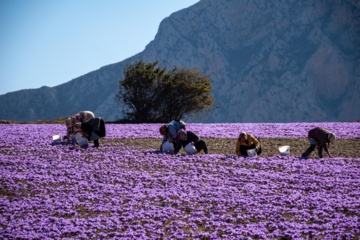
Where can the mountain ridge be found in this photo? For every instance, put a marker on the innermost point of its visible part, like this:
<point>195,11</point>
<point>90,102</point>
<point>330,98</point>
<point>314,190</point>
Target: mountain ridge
<point>271,61</point>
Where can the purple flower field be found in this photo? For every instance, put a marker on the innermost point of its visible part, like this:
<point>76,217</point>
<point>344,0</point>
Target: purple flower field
<point>122,192</point>
<point>232,130</point>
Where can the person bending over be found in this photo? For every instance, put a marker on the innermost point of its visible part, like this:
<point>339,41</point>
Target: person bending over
<point>94,129</point>
<point>319,138</point>
<point>188,137</point>
<point>246,142</point>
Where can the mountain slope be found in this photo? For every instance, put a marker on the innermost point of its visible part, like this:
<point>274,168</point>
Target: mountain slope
<point>271,61</point>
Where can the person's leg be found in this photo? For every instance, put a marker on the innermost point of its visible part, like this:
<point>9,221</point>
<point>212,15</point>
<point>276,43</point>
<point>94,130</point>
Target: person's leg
<point>94,137</point>
<point>308,151</point>
<point>243,149</point>
<point>201,145</point>
<point>320,151</point>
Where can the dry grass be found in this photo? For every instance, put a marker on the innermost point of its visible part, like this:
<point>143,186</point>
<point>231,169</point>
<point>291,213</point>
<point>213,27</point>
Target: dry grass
<point>349,148</point>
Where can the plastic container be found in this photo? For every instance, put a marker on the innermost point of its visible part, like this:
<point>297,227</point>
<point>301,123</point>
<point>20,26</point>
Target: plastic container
<point>57,138</point>
<point>190,149</point>
<point>167,146</point>
<point>251,152</point>
<point>81,140</point>
<point>284,150</point>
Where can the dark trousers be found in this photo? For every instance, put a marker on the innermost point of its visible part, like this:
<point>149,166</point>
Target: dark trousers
<point>243,149</point>
<point>311,149</point>
<point>201,145</point>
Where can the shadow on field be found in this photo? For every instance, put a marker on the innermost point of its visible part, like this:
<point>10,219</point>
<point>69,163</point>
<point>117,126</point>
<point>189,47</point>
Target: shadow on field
<point>349,148</point>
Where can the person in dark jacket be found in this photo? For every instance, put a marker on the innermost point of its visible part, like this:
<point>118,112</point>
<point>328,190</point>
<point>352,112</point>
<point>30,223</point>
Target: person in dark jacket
<point>188,137</point>
<point>320,138</point>
<point>94,128</point>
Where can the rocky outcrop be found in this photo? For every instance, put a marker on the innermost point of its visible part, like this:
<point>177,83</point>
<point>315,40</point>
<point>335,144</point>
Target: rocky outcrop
<point>271,61</point>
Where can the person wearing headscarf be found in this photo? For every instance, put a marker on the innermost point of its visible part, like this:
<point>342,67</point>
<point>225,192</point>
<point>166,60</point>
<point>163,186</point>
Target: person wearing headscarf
<point>247,141</point>
<point>319,138</point>
<point>188,137</point>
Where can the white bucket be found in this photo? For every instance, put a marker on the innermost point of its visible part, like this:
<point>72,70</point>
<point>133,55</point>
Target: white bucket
<point>57,138</point>
<point>284,150</point>
<point>167,146</point>
<point>190,149</point>
<point>83,142</point>
<point>251,152</point>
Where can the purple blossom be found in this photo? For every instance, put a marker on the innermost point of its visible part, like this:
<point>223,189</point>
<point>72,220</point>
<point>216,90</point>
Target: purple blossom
<point>122,192</point>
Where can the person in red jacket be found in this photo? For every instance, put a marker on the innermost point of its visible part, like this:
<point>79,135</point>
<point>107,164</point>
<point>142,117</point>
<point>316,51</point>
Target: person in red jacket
<point>320,138</point>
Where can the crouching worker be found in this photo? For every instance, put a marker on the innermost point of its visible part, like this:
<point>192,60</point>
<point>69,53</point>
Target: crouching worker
<point>93,128</point>
<point>169,131</point>
<point>320,138</point>
<point>70,123</point>
<point>246,142</point>
<point>190,142</point>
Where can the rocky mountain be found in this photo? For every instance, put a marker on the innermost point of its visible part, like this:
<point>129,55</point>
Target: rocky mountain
<point>271,61</point>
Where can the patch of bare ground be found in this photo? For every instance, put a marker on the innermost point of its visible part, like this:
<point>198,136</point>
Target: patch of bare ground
<point>349,148</point>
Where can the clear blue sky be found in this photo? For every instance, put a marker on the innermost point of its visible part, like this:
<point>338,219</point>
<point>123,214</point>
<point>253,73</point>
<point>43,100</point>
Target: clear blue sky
<point>50,42</point>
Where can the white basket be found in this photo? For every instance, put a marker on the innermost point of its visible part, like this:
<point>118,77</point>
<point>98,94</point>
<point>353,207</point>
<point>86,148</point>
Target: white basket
<point>190,149</point>
<point>284,150</point>
<point>57,138</point>
<point>251,152</point>
<point>83,142</point>
<point>167,146</point>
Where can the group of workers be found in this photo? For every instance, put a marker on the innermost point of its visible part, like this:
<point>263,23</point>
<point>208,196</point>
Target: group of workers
<point>84,127</point>
<point>175,136</point>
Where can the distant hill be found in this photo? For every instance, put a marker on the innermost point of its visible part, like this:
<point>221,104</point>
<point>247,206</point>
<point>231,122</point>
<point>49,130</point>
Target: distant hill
<point>271,61</point>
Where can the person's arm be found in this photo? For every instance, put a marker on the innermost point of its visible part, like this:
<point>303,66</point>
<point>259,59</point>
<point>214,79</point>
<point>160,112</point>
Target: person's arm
<point>253,140</point>
<point>164,139</point>
<point>323,140</point>
<point>172,131</point>
<point>326,150</point>
<point>237,148</point>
